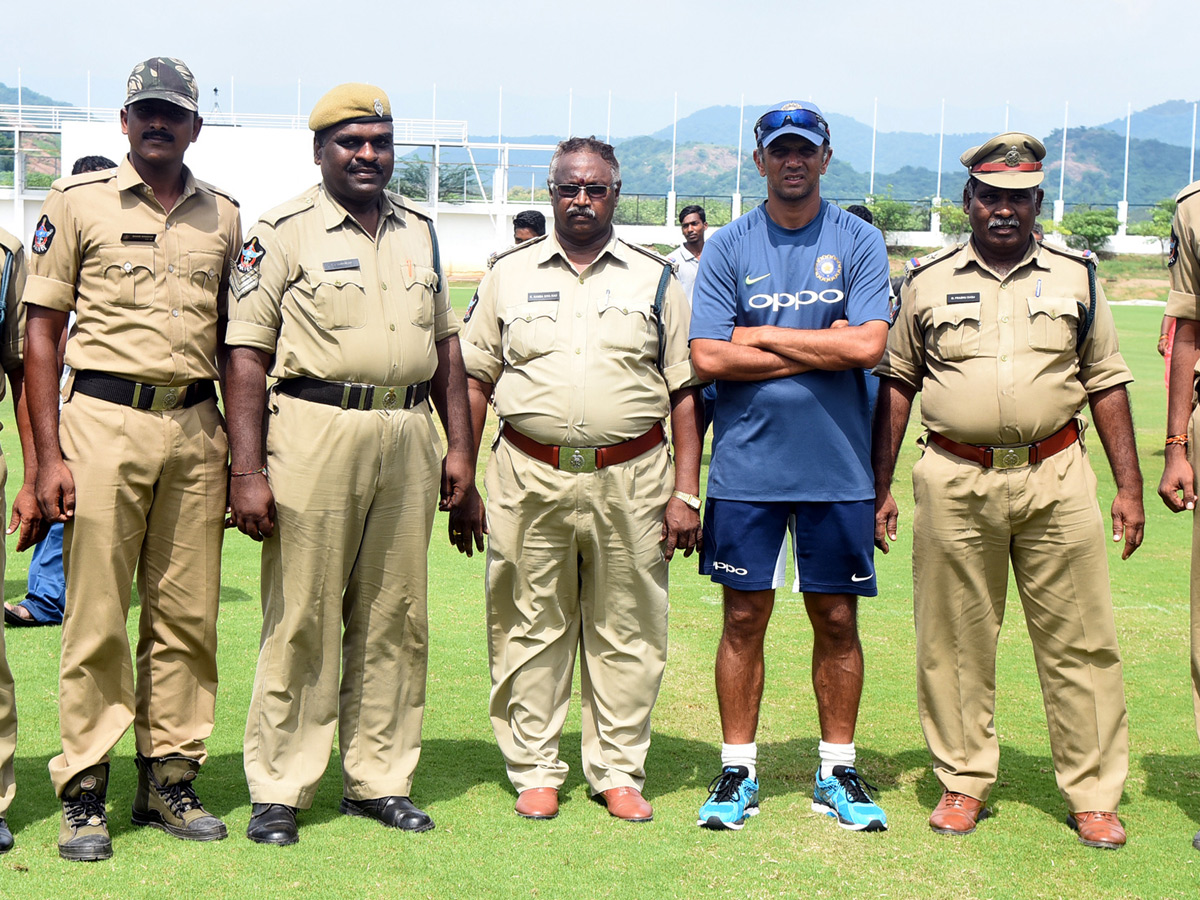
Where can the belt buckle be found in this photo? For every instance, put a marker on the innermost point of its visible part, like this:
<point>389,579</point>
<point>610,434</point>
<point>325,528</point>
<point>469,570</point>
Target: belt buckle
<point>388,400</point>
<point>577,459</point>
<point>1010,457</point>
<point>162,397</point>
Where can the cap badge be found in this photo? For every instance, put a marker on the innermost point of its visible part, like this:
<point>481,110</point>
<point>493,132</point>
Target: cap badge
<point>1013,157</point>
<point>378,107</point>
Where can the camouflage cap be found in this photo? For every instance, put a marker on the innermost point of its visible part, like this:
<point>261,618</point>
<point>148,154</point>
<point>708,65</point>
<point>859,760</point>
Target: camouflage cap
<point>1011,160</point>
<point>353,102</point>
<point>163,78</point>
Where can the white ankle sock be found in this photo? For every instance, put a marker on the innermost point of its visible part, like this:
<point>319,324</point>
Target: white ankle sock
<point>741,755</point>
<point>835,755</point>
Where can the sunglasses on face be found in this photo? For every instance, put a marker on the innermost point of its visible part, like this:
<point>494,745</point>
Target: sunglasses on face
<point>594,191</point>
<point>798,118</point>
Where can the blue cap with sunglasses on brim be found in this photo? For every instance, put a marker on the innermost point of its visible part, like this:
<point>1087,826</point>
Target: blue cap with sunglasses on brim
<point>792,117</point>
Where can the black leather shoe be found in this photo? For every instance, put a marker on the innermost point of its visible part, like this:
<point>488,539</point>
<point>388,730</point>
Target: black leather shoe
<point>6,838</point>
<point>394,812</point>
<point>272,823</point>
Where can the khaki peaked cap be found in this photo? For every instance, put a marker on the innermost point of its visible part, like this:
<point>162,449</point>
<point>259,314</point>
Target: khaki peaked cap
<point>351,102</point>
<point>1010,160</point>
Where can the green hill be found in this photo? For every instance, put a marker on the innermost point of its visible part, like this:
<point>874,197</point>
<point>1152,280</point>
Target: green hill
<point>28,97</point>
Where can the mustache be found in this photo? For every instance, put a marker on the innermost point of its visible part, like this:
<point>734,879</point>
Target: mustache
<point>585,211</point>
<point>1010,222</point>
<point>157,134</point>
<point>366,167</point>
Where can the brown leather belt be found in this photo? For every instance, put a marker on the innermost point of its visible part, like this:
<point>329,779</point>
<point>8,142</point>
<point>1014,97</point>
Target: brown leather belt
<point>584,459</point>
<point>1011,457</point>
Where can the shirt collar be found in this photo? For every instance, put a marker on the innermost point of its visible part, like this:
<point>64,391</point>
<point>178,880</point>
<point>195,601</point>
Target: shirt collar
<point>687,254</point>
<point>1033,255</point>
<point>128,179</point>
<point>334,214</point>
<point>550,248</point>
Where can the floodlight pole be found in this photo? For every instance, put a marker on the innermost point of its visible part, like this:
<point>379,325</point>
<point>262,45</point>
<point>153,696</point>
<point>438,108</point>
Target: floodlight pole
<point>1123,206</point>
<point>935,215</point>
<point>674,135</point>
<point>874,128</point>
<point>608,121</point>
<point>1192,160</point>
<point>1059,205</point>
<point>735,208</point>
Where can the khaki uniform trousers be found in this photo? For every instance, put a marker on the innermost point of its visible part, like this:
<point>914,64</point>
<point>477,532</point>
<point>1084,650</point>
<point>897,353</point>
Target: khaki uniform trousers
<point>343,586</point>
<point>967,524</point>
<point>576,559</point>
<point>8,700</point>
<point>150,492</point>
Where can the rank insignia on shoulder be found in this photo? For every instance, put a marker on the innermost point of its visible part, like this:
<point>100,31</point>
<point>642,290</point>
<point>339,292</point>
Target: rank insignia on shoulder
<point>1173,256</point>
<point>43,235</point>
<point>471,307</point>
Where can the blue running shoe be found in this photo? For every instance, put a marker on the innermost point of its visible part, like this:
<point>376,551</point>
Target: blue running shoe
<point>844,797</point>
<point>732,799</point>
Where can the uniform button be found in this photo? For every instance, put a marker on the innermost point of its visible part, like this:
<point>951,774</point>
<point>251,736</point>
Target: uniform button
<point>577,351</point>
<point>384,286</point>
<point>581,279</point>
<point>175,313</point>
<point>1004,285</point>
<point>579,315</point>
<point>167,226</point>
<point>1004,318</point>
<point>392,326</point>
<point>170,268</point>
<point>1003,358</point>
<point>128,267</point>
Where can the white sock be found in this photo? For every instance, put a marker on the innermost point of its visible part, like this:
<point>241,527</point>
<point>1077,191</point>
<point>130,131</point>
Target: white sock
<point>741,755</point>
<point>835,755</point>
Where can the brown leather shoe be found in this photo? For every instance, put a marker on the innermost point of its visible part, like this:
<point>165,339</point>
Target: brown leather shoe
<point>628,803</point>
<point>538,803</point>
<point>1098,829</point>
<point>957,814</point>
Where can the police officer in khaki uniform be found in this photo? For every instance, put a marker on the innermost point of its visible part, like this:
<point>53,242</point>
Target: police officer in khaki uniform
<point>1007,339</point>
<point>139,253</point>
<point>580,341</point>
<point>341,298</point>
<point>1179,487</point>
<point>25,507</point>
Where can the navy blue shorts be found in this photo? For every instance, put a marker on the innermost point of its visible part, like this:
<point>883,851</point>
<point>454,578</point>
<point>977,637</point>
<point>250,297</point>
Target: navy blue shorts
<point>745,545</point>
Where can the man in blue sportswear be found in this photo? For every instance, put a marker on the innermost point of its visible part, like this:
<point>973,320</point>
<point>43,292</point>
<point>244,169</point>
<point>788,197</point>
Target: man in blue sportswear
<point>790,305</point>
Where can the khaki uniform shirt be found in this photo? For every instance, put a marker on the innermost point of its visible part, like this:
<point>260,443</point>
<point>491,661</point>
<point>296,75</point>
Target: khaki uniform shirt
<point>1184,266</point>
<point>147,287</point>
<point>574,355</point>
<point>330,301</point>
<point>995,357</point>
<point>12,332</point>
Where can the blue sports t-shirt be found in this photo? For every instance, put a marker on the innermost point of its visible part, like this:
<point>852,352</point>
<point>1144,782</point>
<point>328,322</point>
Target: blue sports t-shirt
<point>802,437</point>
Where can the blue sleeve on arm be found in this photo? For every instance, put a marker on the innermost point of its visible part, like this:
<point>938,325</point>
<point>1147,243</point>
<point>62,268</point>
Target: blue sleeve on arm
<point>714,296</point>
<point>868,287</point>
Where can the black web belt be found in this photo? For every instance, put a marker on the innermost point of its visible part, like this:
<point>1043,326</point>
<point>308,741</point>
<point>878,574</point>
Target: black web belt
<point>351,395</point>
<point>143,396</point>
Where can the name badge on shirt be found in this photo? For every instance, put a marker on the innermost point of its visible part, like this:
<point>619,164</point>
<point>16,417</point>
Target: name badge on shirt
<point>963,298</point>
<point>338,265</point>
<point>139,238</point>
<point>543,297</point>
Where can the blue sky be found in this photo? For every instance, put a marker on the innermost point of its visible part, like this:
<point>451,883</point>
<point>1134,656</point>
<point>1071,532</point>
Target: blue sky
<point>265,56</point>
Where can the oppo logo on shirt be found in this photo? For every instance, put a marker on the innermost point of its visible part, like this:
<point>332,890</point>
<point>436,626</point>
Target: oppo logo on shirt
<point>783,300</point>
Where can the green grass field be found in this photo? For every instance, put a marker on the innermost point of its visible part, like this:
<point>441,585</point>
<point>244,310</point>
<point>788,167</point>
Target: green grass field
<point>481,849</point>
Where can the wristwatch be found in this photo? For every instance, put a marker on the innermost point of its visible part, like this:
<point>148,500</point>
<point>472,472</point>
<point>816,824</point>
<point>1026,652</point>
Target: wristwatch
<point>690,499</point>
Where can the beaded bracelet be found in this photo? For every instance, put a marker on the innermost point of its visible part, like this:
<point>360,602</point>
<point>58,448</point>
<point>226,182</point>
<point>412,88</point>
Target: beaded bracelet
<point>262,471</point>
<point>1177,439</point>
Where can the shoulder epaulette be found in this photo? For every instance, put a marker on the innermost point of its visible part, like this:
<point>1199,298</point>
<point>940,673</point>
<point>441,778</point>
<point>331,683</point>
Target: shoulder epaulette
<point>291,207</point>
<point>217,190</point>
<point>917,263</point>
<point>411,205</point>
<point>71,181</point>
<point>500,254</point>
<point>1192,188</point>
<point>1084,256</point>
<point>9,241</point>
<point>645,251</point>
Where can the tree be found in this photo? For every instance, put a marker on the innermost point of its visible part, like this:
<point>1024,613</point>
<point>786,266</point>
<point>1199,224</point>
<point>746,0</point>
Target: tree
<point>954,220</point>
<point>1158,225</point>
<point>1090,228</point>
<point>894,215</point>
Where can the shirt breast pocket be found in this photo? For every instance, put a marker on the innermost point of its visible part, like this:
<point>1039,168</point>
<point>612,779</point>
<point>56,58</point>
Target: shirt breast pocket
<point>956,330</point>
<point>529,330</point>
<point>340,299</point>
<point>420,284</point>
<point>1053,322</point>
<point>625,324</point>
<point>128,275</point>
<point>204,270</point>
